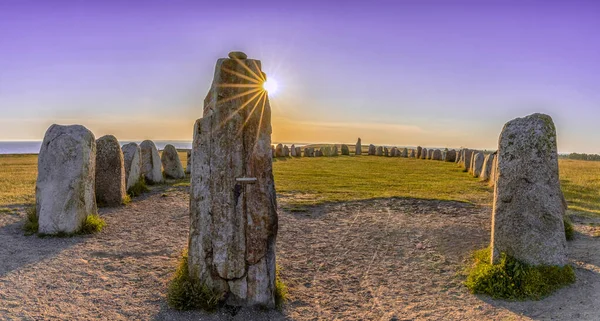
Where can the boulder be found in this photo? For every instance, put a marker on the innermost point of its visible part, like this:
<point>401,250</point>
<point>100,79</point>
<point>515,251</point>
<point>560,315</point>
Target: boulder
<point>298,151</point>
<point>372,149</point>
<point>64,191</point>
<point>293,150</point>
<point>477,164</point>
<point>437,155</point>
<point>394,152</point>
<point>419,151</point>
<point>132,160</point>
<point>358,150</point>
<point>450,156</point>
<point>405,153</point>
<point>286,151</point>
<point>233,206</point>
<point>486,171</point>
<point>345,150</point>
<point>111,188</point>
<point>423,153</point>
<point>386,152</point>
<point>412,154</point>
<point>279,150</point>
<point>379,151</point>
<point>171,163</point>
<point>528,211</point>
<point>151,164</point>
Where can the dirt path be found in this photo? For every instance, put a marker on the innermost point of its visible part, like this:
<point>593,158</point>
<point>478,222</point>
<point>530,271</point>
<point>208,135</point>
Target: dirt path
<point>391,259</point>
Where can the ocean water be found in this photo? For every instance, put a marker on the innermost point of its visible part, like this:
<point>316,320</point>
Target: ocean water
<point>33,147</point>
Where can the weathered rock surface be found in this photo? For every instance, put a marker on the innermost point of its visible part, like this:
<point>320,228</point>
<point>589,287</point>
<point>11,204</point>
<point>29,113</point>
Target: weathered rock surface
<point>172,163</point>
<point>465,161</point>
<point>293,150</point>
<point>286,151</point>
<point>437,155</point>
<point>298,151</point>
<point>423,153</point>
<point>493,176</point>
<point>279,150</point>
<point>233,203</point>
<point>412,154</point>
<point>111,189</point>
<point>386,152</point>
<point>188,167</point>
<point>477,165</point>
<point>64,190</point>
<point>372,149</point>
<point>486,170</point>
<point>419,151</point>
<point>379,151</point>
<point>527,220</point>
<point>429,153</point>
<point>358,150</point>
<point>459,156</point>
<point>404,152</point>
<point>151,164</point>
<point>132,160</point>
<point>450,156</point>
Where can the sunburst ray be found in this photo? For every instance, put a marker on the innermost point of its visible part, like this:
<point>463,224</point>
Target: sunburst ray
<point>233,72</point>
<point>245,93</point>
<point>263,94</point>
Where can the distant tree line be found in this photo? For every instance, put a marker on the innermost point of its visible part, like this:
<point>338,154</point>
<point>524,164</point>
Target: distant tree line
<point>587,157</point>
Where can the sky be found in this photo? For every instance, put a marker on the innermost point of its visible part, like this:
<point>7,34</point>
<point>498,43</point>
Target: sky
<point>443,73</point>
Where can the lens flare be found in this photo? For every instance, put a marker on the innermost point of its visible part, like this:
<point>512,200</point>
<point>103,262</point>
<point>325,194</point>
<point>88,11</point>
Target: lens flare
<point>271,86</point>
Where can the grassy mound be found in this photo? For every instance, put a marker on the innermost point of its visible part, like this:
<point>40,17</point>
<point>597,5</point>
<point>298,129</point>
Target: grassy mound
<point>93,224</point>
<point>514,280</point>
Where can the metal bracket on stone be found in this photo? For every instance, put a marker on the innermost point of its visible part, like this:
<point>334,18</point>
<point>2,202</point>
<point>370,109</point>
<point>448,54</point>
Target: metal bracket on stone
<point>246,180</point>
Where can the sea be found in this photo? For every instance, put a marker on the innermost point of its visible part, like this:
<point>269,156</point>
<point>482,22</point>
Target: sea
<point>33,147</point>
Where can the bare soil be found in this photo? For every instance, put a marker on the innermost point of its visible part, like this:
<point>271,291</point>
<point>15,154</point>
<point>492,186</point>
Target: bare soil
<point>384,259</point>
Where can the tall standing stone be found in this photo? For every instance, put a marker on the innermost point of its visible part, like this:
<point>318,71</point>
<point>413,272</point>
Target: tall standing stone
<point>286,151</point>
<point>477,165</point>
<point>488,163</point>
<point>345,150</point>
<point>298,151</point>
<point>419,151</point>
<point>379,151</point>
<point>293,150</point>
<point>358,150</point>
<point>372,149</point>
<point>64,189</point>
<point>450,156</point>
<point>132,159</point>
<point>233,203</point>
<point>423,153</point>
<point>437,155</point>
<point>111,188</point>
<point>527,220</point>
<point>172,163</point>
<point>151,164</point>
<point>279,150</point>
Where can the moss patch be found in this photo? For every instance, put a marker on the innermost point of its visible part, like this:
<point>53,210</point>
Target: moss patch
<point>188,293</point>
<point>514,280</point>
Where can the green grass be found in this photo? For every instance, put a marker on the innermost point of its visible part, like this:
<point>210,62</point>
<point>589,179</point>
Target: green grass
<point>514,280</point>
<point>31,223</point>
<point>93,224</point>
<point>187,293</point>
<point>309,181</point>
<point>281,290</point>
<point>580,182</point>
<point>138,188</point>
<point>569,230</point>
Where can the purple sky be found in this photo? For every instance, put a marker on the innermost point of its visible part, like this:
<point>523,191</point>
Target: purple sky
<point>434,73</point>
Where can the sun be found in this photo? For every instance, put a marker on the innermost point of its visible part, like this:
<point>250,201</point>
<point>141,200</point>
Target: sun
<point>271,86</point>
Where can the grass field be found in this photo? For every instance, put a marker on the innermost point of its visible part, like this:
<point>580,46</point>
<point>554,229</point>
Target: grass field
<point>308,181</point>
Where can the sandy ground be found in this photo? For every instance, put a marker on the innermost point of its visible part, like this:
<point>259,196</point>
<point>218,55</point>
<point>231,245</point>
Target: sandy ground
<point>389,259</point>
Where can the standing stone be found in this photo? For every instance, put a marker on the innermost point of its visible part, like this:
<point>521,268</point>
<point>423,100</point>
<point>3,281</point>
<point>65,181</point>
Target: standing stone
<point>298,151</point>
<point>386,152</point>
<point>493,176</point>
<point>334,150</point>
<point>412,154</point>
<point>345,150</point>
<point>171,163</point>
<point>151,164</point>
<point>458,156</point>
<point>404,152</point>
<point>318,153</point>
<point>527,220</point>
<point>379,151</point>
<point>286,151</point>
<point>111,189</point>
<point>450,156</point>
<point>423,153</point>
<point>429,153</point>
<point>372,149</point>
<point>233,206</point>
<point>358,150</point>
<point>273,151</point>
<point>486,171</point>
<point>132,160</point>
<point>466,159</point>
<point>279,150</point>
<point>477,165</point>
<point>437,155</point>
<point>293,150</point>
<point>419,151</point>
<point>64,191</point>
<point>188,167</point>
<point>325,151</point>
<point>394,152</point>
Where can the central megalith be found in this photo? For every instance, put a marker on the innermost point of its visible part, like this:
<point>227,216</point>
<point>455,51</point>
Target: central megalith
<point>358,150</point>
<point>132,159</point>
<point>111,189</point>
<point>527,219</point>
<point>151,163</point>
<point>233,207</point>
<point>64,190</point>
<point>172,163</point>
